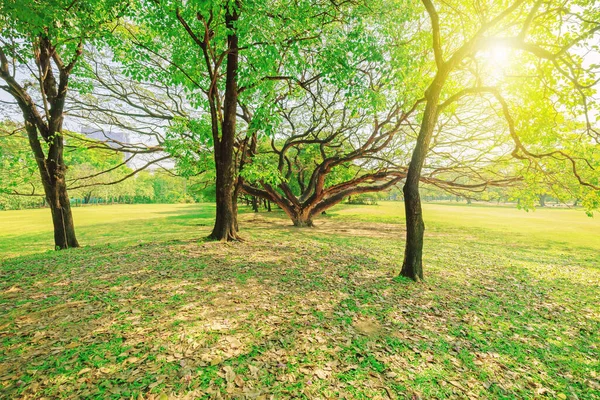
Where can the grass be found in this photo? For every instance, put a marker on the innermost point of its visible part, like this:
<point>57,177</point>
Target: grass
<point>510,308</point>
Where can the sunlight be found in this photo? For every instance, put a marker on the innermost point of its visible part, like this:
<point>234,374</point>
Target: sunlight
<point>496,61</point>
<point>499,56</point>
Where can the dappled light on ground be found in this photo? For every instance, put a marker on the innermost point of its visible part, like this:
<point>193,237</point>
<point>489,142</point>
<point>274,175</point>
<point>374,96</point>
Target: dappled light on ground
<point>293,312</point>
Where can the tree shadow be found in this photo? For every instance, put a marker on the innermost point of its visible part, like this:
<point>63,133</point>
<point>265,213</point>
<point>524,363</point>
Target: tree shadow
<point>317,317</point>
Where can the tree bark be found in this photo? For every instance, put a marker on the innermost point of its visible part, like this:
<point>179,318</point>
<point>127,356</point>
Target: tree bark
<point>225,228</point>
<point>302,218</point>
<point>48,127</point>
<point>412,266</point>
<point>52,173</point>
<point>62,218</point>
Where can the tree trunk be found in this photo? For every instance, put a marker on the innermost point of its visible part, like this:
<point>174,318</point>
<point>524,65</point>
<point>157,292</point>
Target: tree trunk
<point>542,200</point>
<point>234,204</point>
<point>52,172</point>
<point>226,226</point>
<point>302,221</point>
<point>62,218</point>
<point>302,218</point>
<point>269,205</point>
<point>412,266</point>
<point>254,204</point>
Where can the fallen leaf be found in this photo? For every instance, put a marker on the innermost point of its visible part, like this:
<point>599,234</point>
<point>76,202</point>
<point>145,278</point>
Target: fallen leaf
<point>321,374</point>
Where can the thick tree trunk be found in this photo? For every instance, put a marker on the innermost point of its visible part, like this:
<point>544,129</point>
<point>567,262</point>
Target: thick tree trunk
<point>542,200</point>
<point>226,225</point>
<point>303,222</point>
<point>254,204</point>
<point>62,218</point>
<point>225,228</point>
<point>302,218</point>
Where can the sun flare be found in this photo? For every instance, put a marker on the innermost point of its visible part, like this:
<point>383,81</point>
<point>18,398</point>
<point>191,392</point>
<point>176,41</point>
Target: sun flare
<point>496,60</point>
<point>498,55</point>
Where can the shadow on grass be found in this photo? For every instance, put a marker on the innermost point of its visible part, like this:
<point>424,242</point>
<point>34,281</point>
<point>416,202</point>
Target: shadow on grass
<point>317,317</point>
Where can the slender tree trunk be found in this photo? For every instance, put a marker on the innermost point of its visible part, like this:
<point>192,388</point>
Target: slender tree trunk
<point>269,205</point>
<point>412,266</point>
<point>236,195</point>
<point>254,204</point>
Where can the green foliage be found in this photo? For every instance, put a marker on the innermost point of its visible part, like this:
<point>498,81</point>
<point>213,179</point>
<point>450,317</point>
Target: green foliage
<point>262,169</point>
<point>189,142</point>
<point>64,22</point>
<point>90,175</point>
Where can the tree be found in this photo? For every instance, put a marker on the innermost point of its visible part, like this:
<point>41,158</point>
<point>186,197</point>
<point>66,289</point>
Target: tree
<point>44,41</point>
<point>343,127</point>
<point>327,147</point>
<point>547,38</point>
<point>227,53</point>
<point>334,138</point>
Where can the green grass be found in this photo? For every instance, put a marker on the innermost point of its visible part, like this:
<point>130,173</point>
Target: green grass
<point>30,231</point>
<point>510,308</point>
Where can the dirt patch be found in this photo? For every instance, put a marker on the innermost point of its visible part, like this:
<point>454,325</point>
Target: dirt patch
<point>328,226</point>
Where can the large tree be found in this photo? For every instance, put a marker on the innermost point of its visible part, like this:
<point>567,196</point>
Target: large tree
<point>549,45</point>
<point>226,53</point>
<point>326,147</point>
<point>40,46</point>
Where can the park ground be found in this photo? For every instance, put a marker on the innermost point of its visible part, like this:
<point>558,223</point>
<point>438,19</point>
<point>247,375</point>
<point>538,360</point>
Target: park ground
<point>148,309</point>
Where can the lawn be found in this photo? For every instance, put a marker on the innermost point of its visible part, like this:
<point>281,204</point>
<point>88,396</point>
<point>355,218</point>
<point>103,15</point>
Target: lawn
<point>510,308</point>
